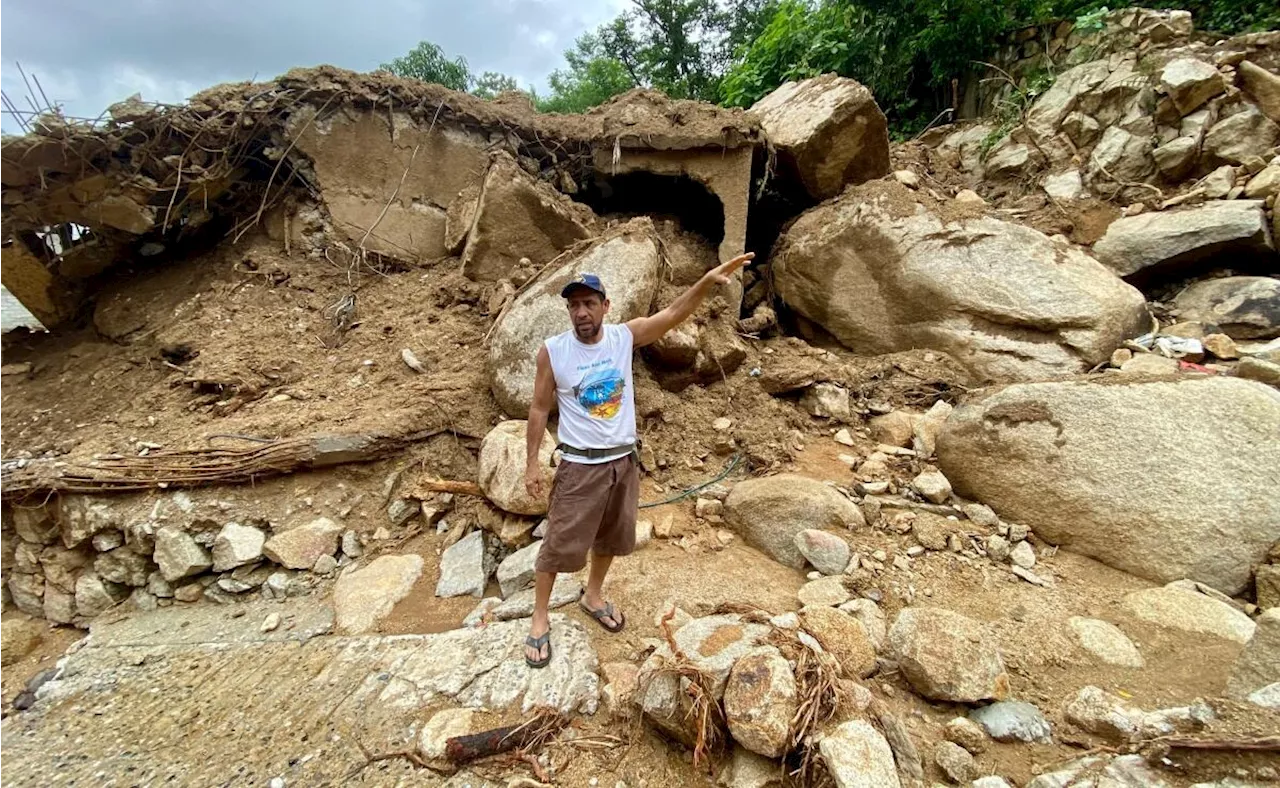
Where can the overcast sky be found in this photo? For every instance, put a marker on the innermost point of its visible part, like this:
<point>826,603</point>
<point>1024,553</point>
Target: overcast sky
<point>90,54</point>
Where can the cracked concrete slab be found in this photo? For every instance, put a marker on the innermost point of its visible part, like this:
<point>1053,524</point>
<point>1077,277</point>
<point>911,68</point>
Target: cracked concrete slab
<point>201,696</point>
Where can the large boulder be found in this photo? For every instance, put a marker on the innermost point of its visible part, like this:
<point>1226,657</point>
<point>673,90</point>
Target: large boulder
<point>1240,137</point>
<point>518,216</point>
<point>828,130</point>
<point>1243,307</point>
<point>1088,466</point>
<point>1263,87</point>
<point>1190,83</point>
<point>768,513</point>
<point>883,273</point>
<point>946,656</point>
<point>628,261</point>
<point>502,461</point>
<point>1175,238</point>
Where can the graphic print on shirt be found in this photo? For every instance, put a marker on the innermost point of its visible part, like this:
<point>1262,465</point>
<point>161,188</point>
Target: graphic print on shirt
<point>600,392</point>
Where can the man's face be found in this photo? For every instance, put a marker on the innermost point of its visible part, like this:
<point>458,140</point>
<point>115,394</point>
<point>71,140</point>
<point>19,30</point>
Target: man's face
<point>587,309</point>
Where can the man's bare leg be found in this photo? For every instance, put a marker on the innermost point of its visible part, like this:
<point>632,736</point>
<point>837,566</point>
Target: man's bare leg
<point>543,581</point>
<point>594,596</point>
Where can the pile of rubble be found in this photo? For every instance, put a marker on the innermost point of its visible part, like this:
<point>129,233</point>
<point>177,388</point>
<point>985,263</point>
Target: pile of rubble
<point>990,421</point>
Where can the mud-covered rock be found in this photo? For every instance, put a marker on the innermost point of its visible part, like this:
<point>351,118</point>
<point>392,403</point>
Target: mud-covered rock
<point>769,512</point>
<point>883,273</point>
<point>517,216</point>
<point>1084,465</point>
<point>829,132</point>
<point>843,636</point>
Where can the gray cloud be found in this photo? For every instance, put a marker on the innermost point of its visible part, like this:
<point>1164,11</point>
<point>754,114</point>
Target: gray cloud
<point>89,55</point>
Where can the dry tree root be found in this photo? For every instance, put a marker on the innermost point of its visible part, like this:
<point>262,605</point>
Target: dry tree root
<point>527,737</point>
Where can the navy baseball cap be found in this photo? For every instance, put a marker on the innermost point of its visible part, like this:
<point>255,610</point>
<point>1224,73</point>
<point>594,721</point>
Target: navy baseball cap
<point>589,281</point>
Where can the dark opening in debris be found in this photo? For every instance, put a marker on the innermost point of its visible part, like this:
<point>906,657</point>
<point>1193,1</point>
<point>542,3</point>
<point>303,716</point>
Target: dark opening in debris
<point>646,194</point>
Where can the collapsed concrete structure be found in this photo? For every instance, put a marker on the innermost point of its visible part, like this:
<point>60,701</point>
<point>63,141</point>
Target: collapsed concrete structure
<point>368,163</point>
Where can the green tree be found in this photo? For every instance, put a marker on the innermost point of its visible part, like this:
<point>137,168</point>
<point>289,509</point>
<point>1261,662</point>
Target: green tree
<point>592,78</point>
<point>491,83</point>
<point>429,63</point>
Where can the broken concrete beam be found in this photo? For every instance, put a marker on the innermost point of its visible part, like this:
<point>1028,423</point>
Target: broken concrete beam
<point>828,130</point>
<point>34,285</point>
<point>519,216</point>
<point>387,179</point>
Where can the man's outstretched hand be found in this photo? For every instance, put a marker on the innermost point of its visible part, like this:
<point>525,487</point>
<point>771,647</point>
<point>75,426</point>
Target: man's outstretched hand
<point>722,272</point>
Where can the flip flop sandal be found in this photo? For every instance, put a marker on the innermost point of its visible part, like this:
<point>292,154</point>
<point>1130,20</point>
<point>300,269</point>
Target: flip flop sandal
<point>536,643</point>
<point>608,611</point>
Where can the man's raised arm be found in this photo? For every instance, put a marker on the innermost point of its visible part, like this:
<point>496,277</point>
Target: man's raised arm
<point>647,330</point>
<point>544,391</point>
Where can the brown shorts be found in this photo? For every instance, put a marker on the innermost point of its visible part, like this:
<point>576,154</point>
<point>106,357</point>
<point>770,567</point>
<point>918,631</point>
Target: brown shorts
<point>592,507</point>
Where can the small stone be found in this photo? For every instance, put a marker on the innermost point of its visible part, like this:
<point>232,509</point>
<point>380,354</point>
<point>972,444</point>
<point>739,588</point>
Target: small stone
<point>760,700</point>
<point>621,679</point>
<point>947,656</point>
<point>1013,720</point>
<point>827,401</point>
<point>237,545</point>
<point>270,623</point>
<point>873,488</point>
<point>401,510</point>
<point>1221,346</point>
<point>872,618</point>
<point>1017,533</point>
<point>300,547</point>
<point>1023,555</point>
<point>980,514</point>
<point>188,593</point>
<point>178,554</point>
<point>351,546</point>
<point>998,547</point>
<point>857,756</point>
<point>665,528</point>
<point>933,486</point>
<point>893,429</point>
<point>955,762</point>
<point>1119,356</point>
<point>1218,184</point>
<point>844,438</point>
<point>722,424</point>
<point>1268,697</point>
<point>969,197</point>
<point>1260,370</point>
<point>827,592</point>
<point>828,553</point>
<point>967,733</point>
<point>843,636</point>
<point>442,726</point>
<point>708,507</point>
<point>1105,641</point>
<point>107,540</point>
<point>1149,364</point>
<point>516,572</point>
<point>465,567</point>
<point>324,565</point>
<point>907,178</point>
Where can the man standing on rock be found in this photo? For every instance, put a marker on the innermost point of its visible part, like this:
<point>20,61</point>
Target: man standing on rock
<point>596,491</point>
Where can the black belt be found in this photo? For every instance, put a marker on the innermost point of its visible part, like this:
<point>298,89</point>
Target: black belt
<point>596,454</point>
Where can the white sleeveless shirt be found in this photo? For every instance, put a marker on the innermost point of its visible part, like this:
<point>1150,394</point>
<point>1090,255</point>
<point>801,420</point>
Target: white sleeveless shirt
<point>594,391</point>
